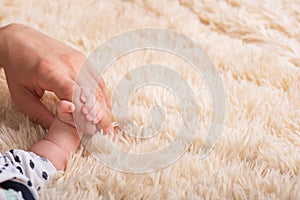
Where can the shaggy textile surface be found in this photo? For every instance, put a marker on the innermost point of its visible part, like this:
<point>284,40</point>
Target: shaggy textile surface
<point>256,48</point>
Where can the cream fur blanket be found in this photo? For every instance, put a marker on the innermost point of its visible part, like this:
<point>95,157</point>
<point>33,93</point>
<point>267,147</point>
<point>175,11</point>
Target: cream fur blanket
<point>256,48</point>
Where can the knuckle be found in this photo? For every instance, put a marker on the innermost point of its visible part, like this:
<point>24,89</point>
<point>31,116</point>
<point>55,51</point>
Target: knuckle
<point>46,70</point>
<point>45,62</point>
<point>68,88</point>
<point>73,60</point>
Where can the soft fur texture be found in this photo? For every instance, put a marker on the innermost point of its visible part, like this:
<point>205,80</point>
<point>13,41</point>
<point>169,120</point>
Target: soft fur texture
<point>256,48</point>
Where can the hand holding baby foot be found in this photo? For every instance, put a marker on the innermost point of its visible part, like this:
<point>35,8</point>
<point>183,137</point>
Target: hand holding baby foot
<point>88,111</point>
<point>91,107</point>
<point>95,110</point>
<point>66,108</point>
<point>34,63</point>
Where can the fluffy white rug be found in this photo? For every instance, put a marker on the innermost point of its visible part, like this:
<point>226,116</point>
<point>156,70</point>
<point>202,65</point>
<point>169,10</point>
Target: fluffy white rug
<point>256,48</point>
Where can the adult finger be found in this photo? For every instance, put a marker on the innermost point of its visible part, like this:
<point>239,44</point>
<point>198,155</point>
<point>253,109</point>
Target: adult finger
<point>105,91</point>
<point>105,115</point>
<point>33,107</point>
<point>61,85</point>
<point>89,78</point>
<point>105,123</point>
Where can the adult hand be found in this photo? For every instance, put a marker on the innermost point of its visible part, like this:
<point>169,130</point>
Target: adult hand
<point>34,62</point>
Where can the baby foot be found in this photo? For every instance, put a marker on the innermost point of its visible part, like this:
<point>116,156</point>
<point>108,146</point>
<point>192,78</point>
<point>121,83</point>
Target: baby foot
<point>85,110</point>
<point>91,107</point>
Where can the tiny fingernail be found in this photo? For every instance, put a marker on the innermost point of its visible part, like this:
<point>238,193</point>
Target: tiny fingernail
<point>84,110</point>
<point>84,99</point>
<point>89,117</point>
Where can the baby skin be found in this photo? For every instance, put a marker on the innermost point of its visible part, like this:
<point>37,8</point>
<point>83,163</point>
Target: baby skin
<point>63,139</point>
<point>22,172</point>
